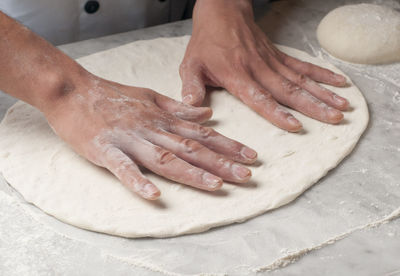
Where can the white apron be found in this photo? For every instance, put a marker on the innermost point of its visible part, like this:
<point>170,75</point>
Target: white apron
<point>64,21</point>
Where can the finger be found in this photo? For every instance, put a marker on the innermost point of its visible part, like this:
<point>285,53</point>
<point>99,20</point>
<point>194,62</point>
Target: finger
<point>315,72</point>
<point>261,101</point>
<point>311,86</point>
<point>200,156</point>
<point>292,95</point>
<point>129,174</point>
<point>193,85</point>
<point>183,111</point>
<point>167,164</point>
<point>214,141</point>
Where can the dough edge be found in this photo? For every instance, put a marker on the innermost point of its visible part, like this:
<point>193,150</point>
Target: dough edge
<point>195,228</point>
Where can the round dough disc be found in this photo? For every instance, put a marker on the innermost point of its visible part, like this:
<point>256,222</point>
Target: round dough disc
<point>53,177</point>
<point>362,33</point>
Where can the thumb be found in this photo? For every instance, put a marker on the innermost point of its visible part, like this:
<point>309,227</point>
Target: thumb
<point>193,88</point>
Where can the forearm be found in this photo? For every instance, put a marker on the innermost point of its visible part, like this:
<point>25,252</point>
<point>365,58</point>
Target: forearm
<point>33,70</point>
<point>221,18</point>
<point>223,9</point>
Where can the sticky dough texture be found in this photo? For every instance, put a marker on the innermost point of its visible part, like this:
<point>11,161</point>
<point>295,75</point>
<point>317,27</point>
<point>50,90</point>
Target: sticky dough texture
<point>362,33</point>
<point>50,175</point>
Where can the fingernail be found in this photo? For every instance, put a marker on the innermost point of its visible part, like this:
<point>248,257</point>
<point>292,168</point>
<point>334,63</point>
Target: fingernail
<point>340,78</point>
<point>293,121</point>
<point>240,171</point>
<point>341,101</point>
<point>150,191</point>
<point>187,98</point>
<point>248,153</point>
<point>334,114</point>
<point>212,181</point>
<point>338,99</point>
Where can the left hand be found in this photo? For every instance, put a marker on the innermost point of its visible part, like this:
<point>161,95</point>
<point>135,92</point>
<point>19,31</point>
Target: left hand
<point>120,127</point>
<point>227,49</point>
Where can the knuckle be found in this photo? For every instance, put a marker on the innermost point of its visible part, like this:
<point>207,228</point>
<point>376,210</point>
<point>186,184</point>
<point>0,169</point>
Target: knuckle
<point>223,164</point>
<point>123,165</point>
<point>291,88</point>
<point>150,95</point>
<point>164,157</point>
<point>323,92</point>
<point>191,146</point>
<point>137,184</point>
<point>205,132</point>
<point>254,53</point>
<point>182,68</point>
<point>167,122</point>
<point>284,58</point>
<point>239,58</point>
<point>122,169</point>
<point>259,96</point>
<point>301,79</point>
<point>189,67</point>
<point>117,162</point>
<point>307,68</point>
<point>267,97</point>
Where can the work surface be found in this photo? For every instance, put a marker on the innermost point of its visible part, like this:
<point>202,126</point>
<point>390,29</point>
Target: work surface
<point>344,224</point>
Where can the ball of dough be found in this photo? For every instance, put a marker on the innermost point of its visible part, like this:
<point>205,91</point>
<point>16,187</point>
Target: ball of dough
<point>362,33</point>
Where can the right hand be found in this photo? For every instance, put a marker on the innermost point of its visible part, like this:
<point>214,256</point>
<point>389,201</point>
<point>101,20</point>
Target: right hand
<point>119,127</point>
<point>228,49</point>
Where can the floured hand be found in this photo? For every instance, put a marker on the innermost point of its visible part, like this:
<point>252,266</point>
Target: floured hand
<point>115,126</point>
<point>119,127</point>
<point>228,49</point>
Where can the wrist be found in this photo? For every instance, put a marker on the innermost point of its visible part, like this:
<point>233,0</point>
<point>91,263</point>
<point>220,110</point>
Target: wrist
<point>210,8</point>
<point>59,86</point>
<point>32,69</point>
<point>216,15</point>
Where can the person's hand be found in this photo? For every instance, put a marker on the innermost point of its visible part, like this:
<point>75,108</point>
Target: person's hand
<point>115,126</point>
<point>119,127</point>
<point>227,49</point>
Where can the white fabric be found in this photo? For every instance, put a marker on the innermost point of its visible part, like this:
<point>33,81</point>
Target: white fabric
<point>50,175</point>
<point>362,33</point>
<point>64,21</point>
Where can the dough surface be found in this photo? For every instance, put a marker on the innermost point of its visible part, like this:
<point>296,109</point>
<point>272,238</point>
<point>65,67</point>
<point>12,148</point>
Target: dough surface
<point>362,33</point>
<point>50,175</point>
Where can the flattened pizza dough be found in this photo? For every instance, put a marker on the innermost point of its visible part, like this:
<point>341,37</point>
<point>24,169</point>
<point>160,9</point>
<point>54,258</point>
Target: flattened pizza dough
<point>53,177</point>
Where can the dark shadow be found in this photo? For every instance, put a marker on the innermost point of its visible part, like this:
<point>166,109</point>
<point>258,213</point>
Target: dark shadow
<point>302,132</point>
<point>218,193</point>
<point>210,123</point>
<point>344,122</point>
<point>207,98</point>
<point>249,185</point>
<point>158,203</point>
<point>347,85</point>
<point>256,164</point>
